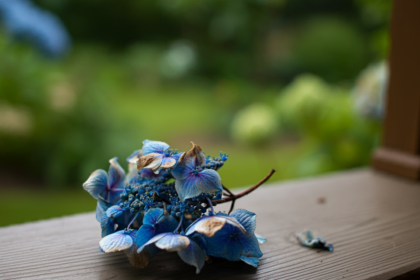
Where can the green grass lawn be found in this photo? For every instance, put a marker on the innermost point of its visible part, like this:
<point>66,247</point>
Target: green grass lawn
<point>25,205</point>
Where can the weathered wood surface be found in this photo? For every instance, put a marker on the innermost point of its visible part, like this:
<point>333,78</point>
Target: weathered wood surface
<point>373,221</point>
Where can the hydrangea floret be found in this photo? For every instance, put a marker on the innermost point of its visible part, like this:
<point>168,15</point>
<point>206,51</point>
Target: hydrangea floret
<point>166,203</point>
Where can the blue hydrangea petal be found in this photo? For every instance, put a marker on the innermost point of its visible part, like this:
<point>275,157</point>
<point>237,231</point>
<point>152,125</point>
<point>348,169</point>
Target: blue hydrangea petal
<point>250,260</point>
<point>233,222</point>
<point>187,188</point>
<point>199,239</point>
<point>156,162</point>
<point>132,174</point>
<point>189,161</point>
<point>101,208</point>
<point>154,147</point>
<point>209,225</point>
<point>172,242</point>
<point>168,162</point>
<point>114,211</point>
<point>132,233</point>
<point>151,241</point>
<point>152,216</point>
<point>246,218</point>
<point>208,181</point>
<point>177,156</point>
<point>144,234</point>
<point>107,226</point>
<point>134,157</point>
<point>123,220</point>
<point>147,173</point>
<point>118,241</point>
<point>260,239</point>
<point>251,247</point>
<point>151,161</point>
<point>99,212</point>
<point>166,223</point>
<point>223,245</point>
<point>193,255</point>
<point>182,170</point>
<point>196,155</point>
<point>97,183</point>
<point>114,195</point>
<point>193,158</point>
<point>222,214</point>
<point>116,175</point>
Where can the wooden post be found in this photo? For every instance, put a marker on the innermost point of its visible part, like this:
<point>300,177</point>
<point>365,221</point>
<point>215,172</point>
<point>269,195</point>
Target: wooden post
<point>400,150</point>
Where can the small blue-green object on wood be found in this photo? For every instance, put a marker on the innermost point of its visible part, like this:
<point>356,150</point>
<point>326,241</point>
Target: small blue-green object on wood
<point>307,239</point>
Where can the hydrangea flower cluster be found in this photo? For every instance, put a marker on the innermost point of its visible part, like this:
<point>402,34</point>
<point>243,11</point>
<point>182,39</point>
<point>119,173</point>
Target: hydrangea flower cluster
<point>165,203</point>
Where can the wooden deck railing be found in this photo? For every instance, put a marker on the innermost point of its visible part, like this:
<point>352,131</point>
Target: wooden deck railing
<point>372,219</point>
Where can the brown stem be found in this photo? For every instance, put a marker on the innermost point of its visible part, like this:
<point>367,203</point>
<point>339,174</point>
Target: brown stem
<point>228,195</point>
<point>239,195</point>
<point>226,189</point>
<point>231,206</point>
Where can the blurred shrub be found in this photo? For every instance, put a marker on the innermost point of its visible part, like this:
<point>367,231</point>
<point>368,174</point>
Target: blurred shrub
<point>331,48</point>
<point>332,135</point>
<point>254,125</point>
<point>178,59</point>
<point>47,126</point>
<point>301,102</point>
<point>376,15</point>
<point>258,40</point>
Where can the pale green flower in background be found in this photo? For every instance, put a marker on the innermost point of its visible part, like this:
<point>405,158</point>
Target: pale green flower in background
<point>254,125</point>
<point>302,102</point>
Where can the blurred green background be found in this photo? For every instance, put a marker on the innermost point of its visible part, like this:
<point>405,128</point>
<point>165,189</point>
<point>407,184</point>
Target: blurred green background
<point>294,85</point>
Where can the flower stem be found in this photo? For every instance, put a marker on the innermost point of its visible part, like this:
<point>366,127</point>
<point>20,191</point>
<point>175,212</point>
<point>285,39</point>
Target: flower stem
<point>231,206</point>
<point>135,217</point>
<point>229,194</point>
<point>239,195</point>
<point>226,189</point>
<point>180,223</point>
<point>211,205</point>
<point>165,212</point>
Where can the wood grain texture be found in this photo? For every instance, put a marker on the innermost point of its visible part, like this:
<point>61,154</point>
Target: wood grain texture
<point>372,219</point>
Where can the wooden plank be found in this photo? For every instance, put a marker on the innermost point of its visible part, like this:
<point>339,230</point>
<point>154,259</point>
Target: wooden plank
<point>372,219</point>
<point>400,151</point>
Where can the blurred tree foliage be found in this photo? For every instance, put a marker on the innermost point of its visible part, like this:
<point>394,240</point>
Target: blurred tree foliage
<point>265,40</point>
<point>64,120</point>
<point>334,135</point>
<point>50,121</point>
